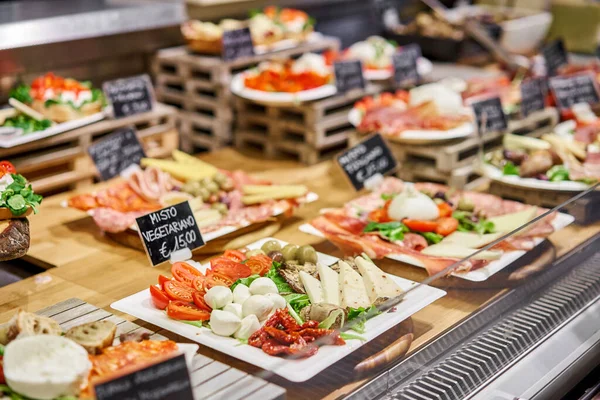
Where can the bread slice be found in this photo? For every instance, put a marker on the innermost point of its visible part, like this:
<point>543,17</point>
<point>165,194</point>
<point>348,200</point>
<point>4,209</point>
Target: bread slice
<point>93,336</point>
<point>28,324</point>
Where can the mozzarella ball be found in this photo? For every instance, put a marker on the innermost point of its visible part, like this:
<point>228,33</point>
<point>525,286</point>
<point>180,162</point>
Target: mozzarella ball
<point>218,297</point>
<point>248,326</point>
<point>234,308</point>
<point>278,301</point>
<point>263,286</point>
<point>241,294</point>
<point>224,323</point>
<point>257,305</point>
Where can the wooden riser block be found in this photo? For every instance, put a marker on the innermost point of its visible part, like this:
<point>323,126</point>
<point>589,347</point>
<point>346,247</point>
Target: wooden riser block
<point>543,198</point>
<point>460,178</point>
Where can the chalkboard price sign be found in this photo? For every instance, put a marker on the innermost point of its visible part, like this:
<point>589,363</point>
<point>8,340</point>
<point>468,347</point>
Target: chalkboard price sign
<point>237,44</point>
<point>490,111</point>
<point>167,230</point>
<point>370,157</point>
<point>405,66</point>
<point>570,90</point>
<point>130,96</point>
<point>117,151</point>
<point>167,380</point>
<point>532,96</point>
<point>555,55</point>
<point>348,75</point>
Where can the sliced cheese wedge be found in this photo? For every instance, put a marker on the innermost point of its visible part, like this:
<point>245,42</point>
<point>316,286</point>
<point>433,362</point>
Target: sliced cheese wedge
<point>330,284</point>
<point>470,239</point>
<point>352,288</point>
<point>377,282</point>
<point>260,189</point>
<point>185,158</point>
<point>185,172</point>
<point>313,287</point>
<point>457,251</point>
<point>509,222</point>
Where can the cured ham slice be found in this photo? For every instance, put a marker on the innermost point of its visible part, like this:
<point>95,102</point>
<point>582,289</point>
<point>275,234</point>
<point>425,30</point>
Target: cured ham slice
<point>351,225</point>
<point>114,221</point>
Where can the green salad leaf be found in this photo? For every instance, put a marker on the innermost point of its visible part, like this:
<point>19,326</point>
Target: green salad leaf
<point>282,285</point>
<point>510,169</point>
<point>358,317</point>
<point>245,281</point>
<point>26,123</point>
<point>297,301</point>
<point>558,173</point>
<point>19,195</point>
<point>349,336</point>
<point>431,237</point>
<point>22,94</point>
<point>391,230</point>
<point>466,223</point>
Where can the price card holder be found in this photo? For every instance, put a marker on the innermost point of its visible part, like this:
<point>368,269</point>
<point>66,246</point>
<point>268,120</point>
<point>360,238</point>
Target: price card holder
<point>555,55</point>
<point>533,95</point>
<point>116,152</point>
<point>405,66</point>
<point>130,96</point>
<point>573,89</point>
<point>237,44</point>
<point>369,158</point>
<point>495,119</point>
<point>167,230</point>
<point>167,380</point>
<point>348,75</point>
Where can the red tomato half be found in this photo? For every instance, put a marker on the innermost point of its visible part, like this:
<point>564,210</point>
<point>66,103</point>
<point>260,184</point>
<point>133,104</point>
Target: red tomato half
<point>259,264</point>
<point>185,273</point>
<point>216,279</point>
<point>159,298</point>
<point>199,283</point>
<point>178,291</point>
<point>232,269</point>
<point>186,311</point>
<point>200,302</point>
<point>234,255</point>
<point>162,279</point>
<point>6,167</point>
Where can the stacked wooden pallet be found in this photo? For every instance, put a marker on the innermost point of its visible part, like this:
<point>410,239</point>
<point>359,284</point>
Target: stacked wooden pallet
<point>61,162</point>
<point>311,132</point>
<point>199,86</point>
<point>454,162</point>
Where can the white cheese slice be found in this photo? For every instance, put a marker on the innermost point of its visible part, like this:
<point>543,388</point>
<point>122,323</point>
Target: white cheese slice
<point>313,287</point>
<point>470,239</point>
<point>457,251</point>
<point>377,282</point>
<point>45,366</point>
<point>329,284</point>
<point>509,222</point>
<point>352,287</point>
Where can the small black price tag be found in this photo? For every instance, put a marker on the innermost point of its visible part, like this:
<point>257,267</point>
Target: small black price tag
<point>555,55</point>
<point>167,380</point>
<point>115,152</point>
<point>490,111</point>
<point>237,44</point>
<point>573,89</point>
<point>368,158</point>
<point>130,96</point>
<point>532,96</point>
<point>167,230</point>
<point>405,65</point>
<point>348,75</point>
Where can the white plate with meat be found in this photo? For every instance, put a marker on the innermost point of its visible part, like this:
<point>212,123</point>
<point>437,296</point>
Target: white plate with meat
<point>496,174</point>
<point>299,370</point>
<point>346,229</point>
<point>424,68</point>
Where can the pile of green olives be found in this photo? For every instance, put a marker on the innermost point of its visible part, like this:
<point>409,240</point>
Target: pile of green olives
<point>208,186</point>
<point>290,252</point>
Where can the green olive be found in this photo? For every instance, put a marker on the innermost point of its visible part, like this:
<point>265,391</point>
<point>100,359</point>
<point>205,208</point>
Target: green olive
<point>206,181</point>
<point>212,187</point>
<point>306,254</point>
<point>289,252</point>
<point>220,178</point>
<point>227,185</point>
<point>271,245</point>
<point>222,208</point>
<point>204,193</point>
<point>465,204</point>
<point>254,253</point>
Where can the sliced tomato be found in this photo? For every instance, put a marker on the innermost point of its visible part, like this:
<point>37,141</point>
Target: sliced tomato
<point>186,311</point>
<point>6,167</point>
<point>184,272</point>
<point>420,226</point>
<point>216,279</point>
<point>259,264</point>
<point>159,298</point>
<point>379,215</point>
<point>200,302</point>
<point>444,209</point>
<point>232,269</point>
<point>234,255</point>
<point>199,283</point>
<point>162,279</point>
<point>446,226</point>
<point>178,291</point>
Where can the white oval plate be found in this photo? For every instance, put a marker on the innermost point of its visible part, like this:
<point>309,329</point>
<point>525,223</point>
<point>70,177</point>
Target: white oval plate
<point>424,67</point>
<point>279,98</point>
<point>420,136</point>
<point>531,183</point>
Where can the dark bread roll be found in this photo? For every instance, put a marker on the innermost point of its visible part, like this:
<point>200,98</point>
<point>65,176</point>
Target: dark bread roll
<point>14,238</point>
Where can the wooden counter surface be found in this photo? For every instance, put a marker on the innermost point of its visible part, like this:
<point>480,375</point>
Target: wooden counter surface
<point>83,263</point>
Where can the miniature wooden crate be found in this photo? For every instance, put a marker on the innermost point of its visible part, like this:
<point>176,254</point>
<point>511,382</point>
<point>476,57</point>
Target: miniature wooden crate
<point>210,379</point>
<point>311,132</point>
<point>61,162</point>
<point>464,178</point>
<point>199,86</point>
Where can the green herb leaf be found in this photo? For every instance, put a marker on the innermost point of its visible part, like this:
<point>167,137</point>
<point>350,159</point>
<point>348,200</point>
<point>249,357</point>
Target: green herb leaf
<point>350,336</point>
<point>198,324</point>
<point>297,301</point>
<point>465,223</point>
<point>386,196</point>
<point>245,281</point>
<point>431,237</point>
<point>22,94</point>
<point>294,314</point>
<point>282,285</point>
<point>391,230</point>
<point>510,169</point>
<point>558,173</point>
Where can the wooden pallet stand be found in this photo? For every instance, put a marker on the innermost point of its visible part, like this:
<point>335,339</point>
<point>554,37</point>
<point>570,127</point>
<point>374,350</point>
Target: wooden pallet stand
<point>199,86</point>
<point>543,198</point>
<point>310,132</point>
<point>61,162</point>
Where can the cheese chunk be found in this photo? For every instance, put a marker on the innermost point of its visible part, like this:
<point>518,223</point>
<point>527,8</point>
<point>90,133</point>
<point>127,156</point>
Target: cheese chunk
<point>330,284</point>
<point>182,171</point>
<point>509,222</point>
<point>377,282</point>
<point>470,240</point>
<point>457,251</point>
<point>352,288</point>
<point>313,287</point>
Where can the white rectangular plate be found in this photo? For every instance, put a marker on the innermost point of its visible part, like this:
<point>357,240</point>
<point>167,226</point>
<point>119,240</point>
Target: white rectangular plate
<point>19,139</point>
<point>560,221</point>
<point>140,305</point>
